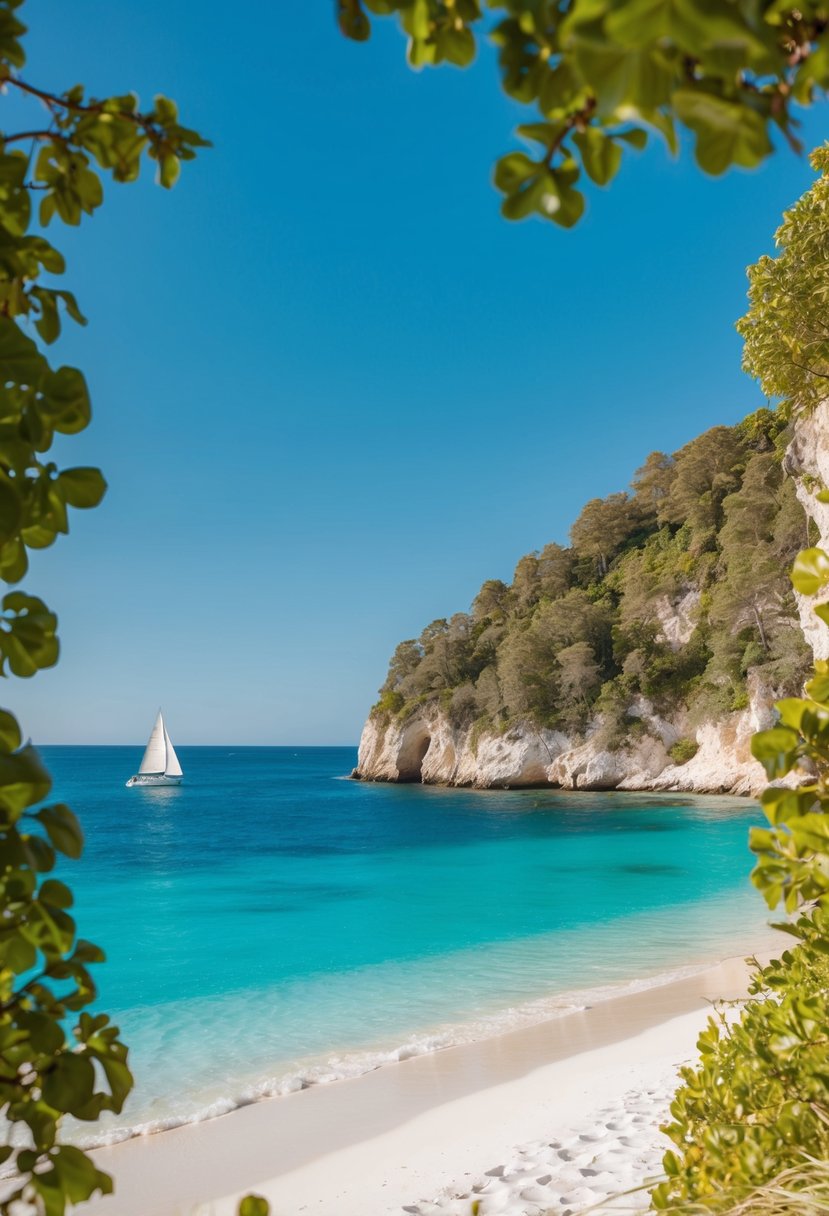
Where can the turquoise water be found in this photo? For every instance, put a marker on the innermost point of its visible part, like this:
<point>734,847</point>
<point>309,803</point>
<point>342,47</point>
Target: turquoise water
<point>270,924</point>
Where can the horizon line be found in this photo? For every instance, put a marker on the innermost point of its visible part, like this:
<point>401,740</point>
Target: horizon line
<point>250,746</point>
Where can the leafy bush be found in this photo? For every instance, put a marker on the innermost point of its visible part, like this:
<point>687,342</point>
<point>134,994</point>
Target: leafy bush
<point>390,703</point>
<point>55,1058</point>
<point>683,750</point>
<point>758,1099</point>
<point>802,1190</point>
<point>756,1107</point>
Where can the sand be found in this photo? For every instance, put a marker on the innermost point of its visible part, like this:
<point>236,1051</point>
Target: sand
<point>554,1116</point>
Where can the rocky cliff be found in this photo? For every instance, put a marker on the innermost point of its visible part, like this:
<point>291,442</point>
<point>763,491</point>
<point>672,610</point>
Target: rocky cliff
<point>426,746</point>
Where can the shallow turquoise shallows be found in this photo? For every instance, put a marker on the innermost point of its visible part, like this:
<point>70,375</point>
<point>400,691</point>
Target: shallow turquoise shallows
<point>270,924</point>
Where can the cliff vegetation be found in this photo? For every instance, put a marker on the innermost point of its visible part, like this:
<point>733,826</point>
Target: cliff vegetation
<point>675,590</point>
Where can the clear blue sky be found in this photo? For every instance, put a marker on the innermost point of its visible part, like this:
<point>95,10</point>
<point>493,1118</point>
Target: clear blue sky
<point>333,390</point>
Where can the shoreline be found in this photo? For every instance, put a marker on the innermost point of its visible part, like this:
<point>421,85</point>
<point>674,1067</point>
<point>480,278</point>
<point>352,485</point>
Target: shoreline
<point>738,790</point>
<point>440,1115</point>
<point>389,1049</point>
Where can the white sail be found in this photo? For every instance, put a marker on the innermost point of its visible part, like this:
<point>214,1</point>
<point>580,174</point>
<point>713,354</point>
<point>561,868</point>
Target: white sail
<point>173,768</point>
<point>155,756</point>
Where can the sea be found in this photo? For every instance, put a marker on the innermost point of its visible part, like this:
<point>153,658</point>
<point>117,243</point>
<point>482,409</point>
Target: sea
<point>271,924</point>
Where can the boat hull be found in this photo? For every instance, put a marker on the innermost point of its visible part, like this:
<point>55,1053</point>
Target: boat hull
<point>153,779</point>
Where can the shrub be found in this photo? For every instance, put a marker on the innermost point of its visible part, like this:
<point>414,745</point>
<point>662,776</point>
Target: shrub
<point>391,702</point>
<point>755,1109</point>
<point>758,1097</point>
<point>683,750</point>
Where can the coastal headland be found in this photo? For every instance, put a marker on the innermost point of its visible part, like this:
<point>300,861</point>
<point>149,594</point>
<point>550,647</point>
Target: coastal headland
<point>646,655</point>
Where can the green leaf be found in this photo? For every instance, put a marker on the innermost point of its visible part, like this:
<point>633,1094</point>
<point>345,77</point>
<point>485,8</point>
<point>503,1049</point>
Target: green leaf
<point>254,1205</point>
<point>69,1083</point>
<point>66,400</point>
<point>458,46</point>
<point>810,572</point>
<point>353,22</point>
<point>776,749</point>
<point>78,1175</point>
<point>88,952</point>
<point>23,779</point>
<point>637,137</point>
<point>563,204</point>
<point>639,22</point>
<point>791,710</point>
<point>623,79</point>
<point>22,362</point>
<point>600,155</point>
<point>63,829</point>
<point>48,323</point>
<point>728,133</point>
<point>169,169</point>
<point>10,737</point>
<point>11,50</point>
<point>55,893</point>
<point>818,687</point>
<point>83,487</point>
<point>782,805</point>
<point>11,509</point>
<point>527,199</point>
<point>512,170</point>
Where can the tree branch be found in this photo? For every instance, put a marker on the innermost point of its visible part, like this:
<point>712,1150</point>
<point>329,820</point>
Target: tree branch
<point>76,107</point>
<point>810,370</point>
<point>10,139</point>
<point>580,119</point>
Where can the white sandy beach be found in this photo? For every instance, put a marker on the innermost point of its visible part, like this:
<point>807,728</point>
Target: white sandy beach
<point>556,1116</point>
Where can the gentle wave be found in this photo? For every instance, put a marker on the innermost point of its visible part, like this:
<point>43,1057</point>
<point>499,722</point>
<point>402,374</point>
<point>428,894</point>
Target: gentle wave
<point>356,1064</point>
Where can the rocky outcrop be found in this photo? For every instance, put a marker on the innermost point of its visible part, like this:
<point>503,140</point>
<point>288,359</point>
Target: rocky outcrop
<point>678,617</point>
<point>807,461</point>
<point>427,747</point>
<point>589,766</point>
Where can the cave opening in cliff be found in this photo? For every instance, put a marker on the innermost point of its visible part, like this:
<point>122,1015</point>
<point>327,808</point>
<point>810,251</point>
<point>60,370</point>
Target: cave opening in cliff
<point>413,770</point>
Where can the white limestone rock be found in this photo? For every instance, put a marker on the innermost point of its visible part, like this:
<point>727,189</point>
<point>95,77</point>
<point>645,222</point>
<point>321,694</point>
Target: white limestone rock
<point>678,617</point>
<point>428,748</point>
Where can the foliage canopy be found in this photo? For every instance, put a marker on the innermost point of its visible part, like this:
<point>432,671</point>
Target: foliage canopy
<point>601,77</point>
<point>56,161</point>
<point>786,330</point>
<point>756,1107</point>
<point>751,1120</point>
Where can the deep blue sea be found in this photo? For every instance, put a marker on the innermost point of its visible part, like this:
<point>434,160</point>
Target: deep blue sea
<point>270,923</point>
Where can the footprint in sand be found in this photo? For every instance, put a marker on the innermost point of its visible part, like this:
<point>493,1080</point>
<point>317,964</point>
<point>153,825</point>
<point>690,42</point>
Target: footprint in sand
<point>582,1197</point>
<point>535,1194</point>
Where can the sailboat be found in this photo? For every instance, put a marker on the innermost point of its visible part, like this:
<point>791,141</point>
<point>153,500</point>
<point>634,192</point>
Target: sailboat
<point>160,764</point>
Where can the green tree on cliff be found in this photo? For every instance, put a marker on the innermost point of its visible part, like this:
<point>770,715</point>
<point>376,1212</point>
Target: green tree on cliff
<point>786,331</point>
